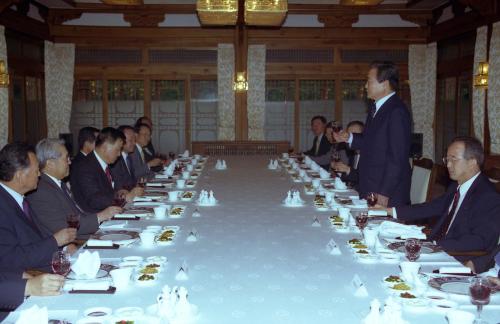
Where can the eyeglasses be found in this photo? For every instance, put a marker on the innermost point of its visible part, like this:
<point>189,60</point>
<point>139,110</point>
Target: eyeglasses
<point>451,159</point>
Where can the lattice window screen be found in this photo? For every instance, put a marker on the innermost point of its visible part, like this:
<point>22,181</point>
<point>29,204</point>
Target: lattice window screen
<point>369,55</point>
<point>85,55</point>
<point>295,55</point>
<point>182,56</point>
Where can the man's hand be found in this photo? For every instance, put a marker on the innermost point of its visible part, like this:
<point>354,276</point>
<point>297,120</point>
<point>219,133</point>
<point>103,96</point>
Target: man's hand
<point>341,137</point>
<point>154,162</point>
<point>108,213</point>
<point>44,285</point>
<point>137,191</point>
<point>382,200</point>
<point>341,167</point>
<point>65,236</point>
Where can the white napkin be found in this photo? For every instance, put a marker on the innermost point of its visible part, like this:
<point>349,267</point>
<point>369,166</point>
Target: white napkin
<point>392,312</point>
<point>461,269</point>
<point>98,243</point>
<point>87,285</point>
<point>127,215</point>
<point>332,248</point>
<point>377,213</point>
<point>136,199</point>
<point>323,174</point>
<point>154,184</point>
<point>339,184</point>
<point>181,275</point>
<point>161,176</point>
<point>87,265</point>
<point>374,316</point>
<point>113,224</point>
<point>393,229</point>
<point>359,287</point>
<point>316,222</point>
<point>185,154</point>
<point>33,314</point>
<point>146,203</point>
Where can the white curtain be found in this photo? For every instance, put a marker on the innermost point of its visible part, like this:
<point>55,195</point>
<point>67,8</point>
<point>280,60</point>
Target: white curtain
<point>226,103</point>
<point>478,94</point>
<point>256,101</point>
<point>59,78</point>
<point>494,89</point>
<point>422,61</point>
<point>4,95</point>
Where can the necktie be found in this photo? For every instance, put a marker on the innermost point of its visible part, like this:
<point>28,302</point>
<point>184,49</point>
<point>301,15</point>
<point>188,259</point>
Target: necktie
<point>26,210</point>
<point>142,156</point>
<point>317,146</point>
<point>108,175</point>
<point>446,224</point>
<point>68,194</point>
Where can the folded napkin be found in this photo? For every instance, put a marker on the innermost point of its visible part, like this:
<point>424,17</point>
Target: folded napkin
<point>185,154</point>
<point>339,184</point>
<point>377,213</point>
<point>393,229</point>
<point>127,215</point>
<point>113,224</point>
<point>161,176</point>
<point>141,198</point>
<point>461,269</point>
<point>323,174</point>
<point>154,184</point>
<point>98,243</point>
<point>32,315</point>
<point>87,265</point>
<point>87,285</point>
<point>146,203</point>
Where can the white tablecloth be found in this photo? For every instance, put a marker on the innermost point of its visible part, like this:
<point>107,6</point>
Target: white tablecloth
<point>256,261</point>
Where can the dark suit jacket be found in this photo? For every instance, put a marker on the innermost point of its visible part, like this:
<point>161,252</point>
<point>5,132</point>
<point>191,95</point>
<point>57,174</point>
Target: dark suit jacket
<point>12,286</point>
<point>476,226</point>
<point>90,186</point>
<point>486,262</point>
<point>121,175</point>
<point>141,168</point>
<point>52,206</point>
<point>324,147</point>
<point>353,176</point>
<point>384,146</point>
<point>150,152</point>
<point>23,244</point>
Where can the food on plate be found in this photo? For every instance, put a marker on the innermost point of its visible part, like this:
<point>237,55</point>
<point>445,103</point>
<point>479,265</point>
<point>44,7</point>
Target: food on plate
<point>146,277</point>
<point>354,241</point>
<point>401,286</point>
<point>187,195</point>
<point>362,252</point>
<point>360,246</point>
<point>176,211</point>
<point>394,279</point>
<point>407,295</point>
<point>152,265</point>
<point>149,270</point>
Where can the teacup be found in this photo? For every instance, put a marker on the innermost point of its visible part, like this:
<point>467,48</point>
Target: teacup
<point>181,183</point>
<point>121,277</point>
<point>190,167</point>
<point>147,239</point>
<point>173,195</point>
<point>160,211</point>
<point>344,212</point>
<point>185,175</point>
<point>316,183</point>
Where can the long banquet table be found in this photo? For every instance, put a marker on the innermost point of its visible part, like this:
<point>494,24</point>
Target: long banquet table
<point>255,260</point>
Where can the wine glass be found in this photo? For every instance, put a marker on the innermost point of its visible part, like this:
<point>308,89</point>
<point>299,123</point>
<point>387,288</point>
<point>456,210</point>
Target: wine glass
<point>171,155</point>
<point>371,198</point>
<point>119,200</point>
<point>479,291</point>
<point>412,249</point>
<point>361,221</point>
<point>141,182</point>
<point>60,263</point>
<point>73,221</point>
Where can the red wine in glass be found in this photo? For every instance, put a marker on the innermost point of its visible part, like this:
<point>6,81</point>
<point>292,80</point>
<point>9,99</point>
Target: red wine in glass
<point>479,291</point>
<point>412,249</point>
<point>361,221</point>
<point>142,182</point>
<point>371,198</point>
<point>119,200</point>
<point>60,263</point>
<point>73,221</point>
<point>336,128</point>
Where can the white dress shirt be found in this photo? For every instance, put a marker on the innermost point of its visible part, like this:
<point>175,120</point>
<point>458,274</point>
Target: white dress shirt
<point>103,165</point>
<point>16,195</point>
<point>124,156</point>
<point>318,143</point>
<point>57,181</point>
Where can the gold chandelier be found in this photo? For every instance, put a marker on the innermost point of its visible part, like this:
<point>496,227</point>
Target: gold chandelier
<point>4,76</point>
<point>257,12</point>
<point>481,79</point>
<point>123,2</point>
<point>217,12</point>
<point>265,12</point>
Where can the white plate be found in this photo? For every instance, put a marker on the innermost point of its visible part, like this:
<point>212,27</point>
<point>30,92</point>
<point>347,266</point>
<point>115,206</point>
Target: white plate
<point>129,312</point>
<point>157,259</point>
<point>97,312</point>
<point>133,258</point>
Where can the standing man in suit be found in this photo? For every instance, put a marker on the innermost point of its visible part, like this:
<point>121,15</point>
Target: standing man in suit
<point>350,170</point>
<point>123,170</point>
<point>52,200</point>
<point>384,145</point>
<point>91,182</point>
<point>16,286</point>
<point>142,168</point>
<point>321,145</point>
<point>86,143</point>
<point>468,214</point>
<point>24,244</point>
<point>149,150</point>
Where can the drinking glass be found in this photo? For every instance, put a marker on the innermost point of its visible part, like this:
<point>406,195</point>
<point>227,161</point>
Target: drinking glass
<point>141,182</point>
<point>73,221</point>
<point>171,155</point>
<point>361,221</point>
<point>479,291</point>
<point>119,200</point>
<point>60,263</point>
<point>371,198</point>
<point>412,249</point>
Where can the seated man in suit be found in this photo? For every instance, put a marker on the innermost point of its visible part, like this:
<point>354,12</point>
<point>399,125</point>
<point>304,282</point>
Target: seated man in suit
<point>321,145</point>
<point>16,286</point>
<point>142,168</point>
<point>149,150</point>
<point>485,262</point>
<point>468,214</point>
<point>92,183</point>
<point>24,244</point>
<point>86,143</point>
<point>350,170</point>
<point>52,201</point>
<point>336,149</point>
<point>122,170</point>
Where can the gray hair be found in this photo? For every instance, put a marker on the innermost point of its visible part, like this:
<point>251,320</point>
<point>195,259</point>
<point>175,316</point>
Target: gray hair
<point>46,149</point>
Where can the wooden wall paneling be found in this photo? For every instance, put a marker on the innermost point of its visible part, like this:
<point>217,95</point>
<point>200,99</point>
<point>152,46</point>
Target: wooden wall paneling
<point>147,96</point>
<point>187,105</point>
<point>176,71</point>
<point>296,120</point>
<point>23,24</point>
<point>338,99</point>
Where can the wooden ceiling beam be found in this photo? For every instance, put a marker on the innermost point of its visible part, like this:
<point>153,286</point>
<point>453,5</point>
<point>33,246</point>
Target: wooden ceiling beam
<point>7,3</point>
